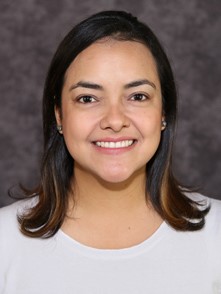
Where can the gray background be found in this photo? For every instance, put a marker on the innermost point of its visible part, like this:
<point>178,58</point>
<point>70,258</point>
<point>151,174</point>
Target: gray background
<point>30,31</point>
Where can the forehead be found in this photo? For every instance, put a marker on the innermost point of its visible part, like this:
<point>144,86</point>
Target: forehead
<point>110,57</point>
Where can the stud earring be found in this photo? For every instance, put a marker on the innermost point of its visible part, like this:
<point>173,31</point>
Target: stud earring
<point>59,129</point>
<point>164,124</point>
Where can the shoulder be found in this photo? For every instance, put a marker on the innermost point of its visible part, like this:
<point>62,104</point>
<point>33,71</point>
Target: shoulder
<point>205,201</point>
<point>212,228</point>
<point>211,236</point>
<point>213,217</point>
<point>9,226</point>
<point>8,214</point>
<point>11,238</point>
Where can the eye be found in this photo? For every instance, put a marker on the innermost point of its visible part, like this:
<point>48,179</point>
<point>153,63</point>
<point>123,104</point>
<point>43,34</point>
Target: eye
<point>86,99</point>
<point>139,97</point>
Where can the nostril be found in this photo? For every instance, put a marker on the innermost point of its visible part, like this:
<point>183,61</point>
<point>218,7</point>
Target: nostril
<point>115,121</point>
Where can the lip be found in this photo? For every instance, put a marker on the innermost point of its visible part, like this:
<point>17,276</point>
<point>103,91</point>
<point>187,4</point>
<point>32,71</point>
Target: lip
<point>114,151</point>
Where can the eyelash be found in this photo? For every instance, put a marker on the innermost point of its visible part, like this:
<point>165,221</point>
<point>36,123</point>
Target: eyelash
<point>144,97</point>
<point>86,97</point>
<point>90,99</point>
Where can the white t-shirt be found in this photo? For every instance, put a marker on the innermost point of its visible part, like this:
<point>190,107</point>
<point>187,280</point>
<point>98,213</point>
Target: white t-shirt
<point>169,262</point>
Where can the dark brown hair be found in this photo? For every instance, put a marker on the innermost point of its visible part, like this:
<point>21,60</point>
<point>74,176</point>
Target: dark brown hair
<point>165,194</point>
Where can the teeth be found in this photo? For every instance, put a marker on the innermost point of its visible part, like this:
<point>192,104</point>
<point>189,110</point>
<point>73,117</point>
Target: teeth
<point>119,144</point>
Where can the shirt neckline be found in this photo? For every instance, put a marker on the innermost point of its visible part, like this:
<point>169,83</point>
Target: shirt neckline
<point>92,252</point>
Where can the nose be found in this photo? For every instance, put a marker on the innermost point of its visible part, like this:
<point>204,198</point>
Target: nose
<point>115,119</point>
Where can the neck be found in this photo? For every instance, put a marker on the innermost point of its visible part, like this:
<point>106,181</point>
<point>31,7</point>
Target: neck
<point>93,194</point>
<point>110,215</point>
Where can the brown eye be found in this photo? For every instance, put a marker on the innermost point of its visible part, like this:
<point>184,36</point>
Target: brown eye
<point>139,97</point>
<point>86,99</point>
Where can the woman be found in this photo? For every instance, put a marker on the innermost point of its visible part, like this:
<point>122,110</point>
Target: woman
<point>109,216</point>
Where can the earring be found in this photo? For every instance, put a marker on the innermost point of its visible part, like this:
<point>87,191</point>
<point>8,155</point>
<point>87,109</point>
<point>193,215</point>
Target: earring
<point>164,124</point>
<point>59,129</point>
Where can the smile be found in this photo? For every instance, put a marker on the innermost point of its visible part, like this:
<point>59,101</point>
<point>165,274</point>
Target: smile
<point>119,144</point>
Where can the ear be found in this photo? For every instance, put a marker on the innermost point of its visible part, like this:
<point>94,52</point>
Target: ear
<point>57,112</point>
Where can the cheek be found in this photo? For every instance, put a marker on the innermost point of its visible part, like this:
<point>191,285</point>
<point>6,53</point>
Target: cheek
<point>76,127</point>
<point>149,123</point>
<point>73,131</point>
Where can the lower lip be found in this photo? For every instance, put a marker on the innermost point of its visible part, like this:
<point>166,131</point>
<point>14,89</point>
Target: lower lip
<point>114,151</point>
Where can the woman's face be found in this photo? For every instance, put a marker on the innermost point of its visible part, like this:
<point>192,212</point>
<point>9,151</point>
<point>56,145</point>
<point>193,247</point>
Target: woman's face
<point>111,111</point>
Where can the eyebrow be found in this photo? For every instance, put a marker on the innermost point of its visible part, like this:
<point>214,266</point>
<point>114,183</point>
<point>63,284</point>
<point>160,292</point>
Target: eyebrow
<point>89,85</point>
<point>140,83</point>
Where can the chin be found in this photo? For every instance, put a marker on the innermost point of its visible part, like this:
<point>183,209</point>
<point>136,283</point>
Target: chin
<point>120,177</point>
<point>111,178</point>
<point>115,180</point>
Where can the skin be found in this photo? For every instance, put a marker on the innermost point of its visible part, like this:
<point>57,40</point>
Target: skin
<point>112,94</point>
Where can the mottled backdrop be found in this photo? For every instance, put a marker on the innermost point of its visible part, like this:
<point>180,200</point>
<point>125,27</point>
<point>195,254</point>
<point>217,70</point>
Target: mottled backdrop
<point>30,30</point>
